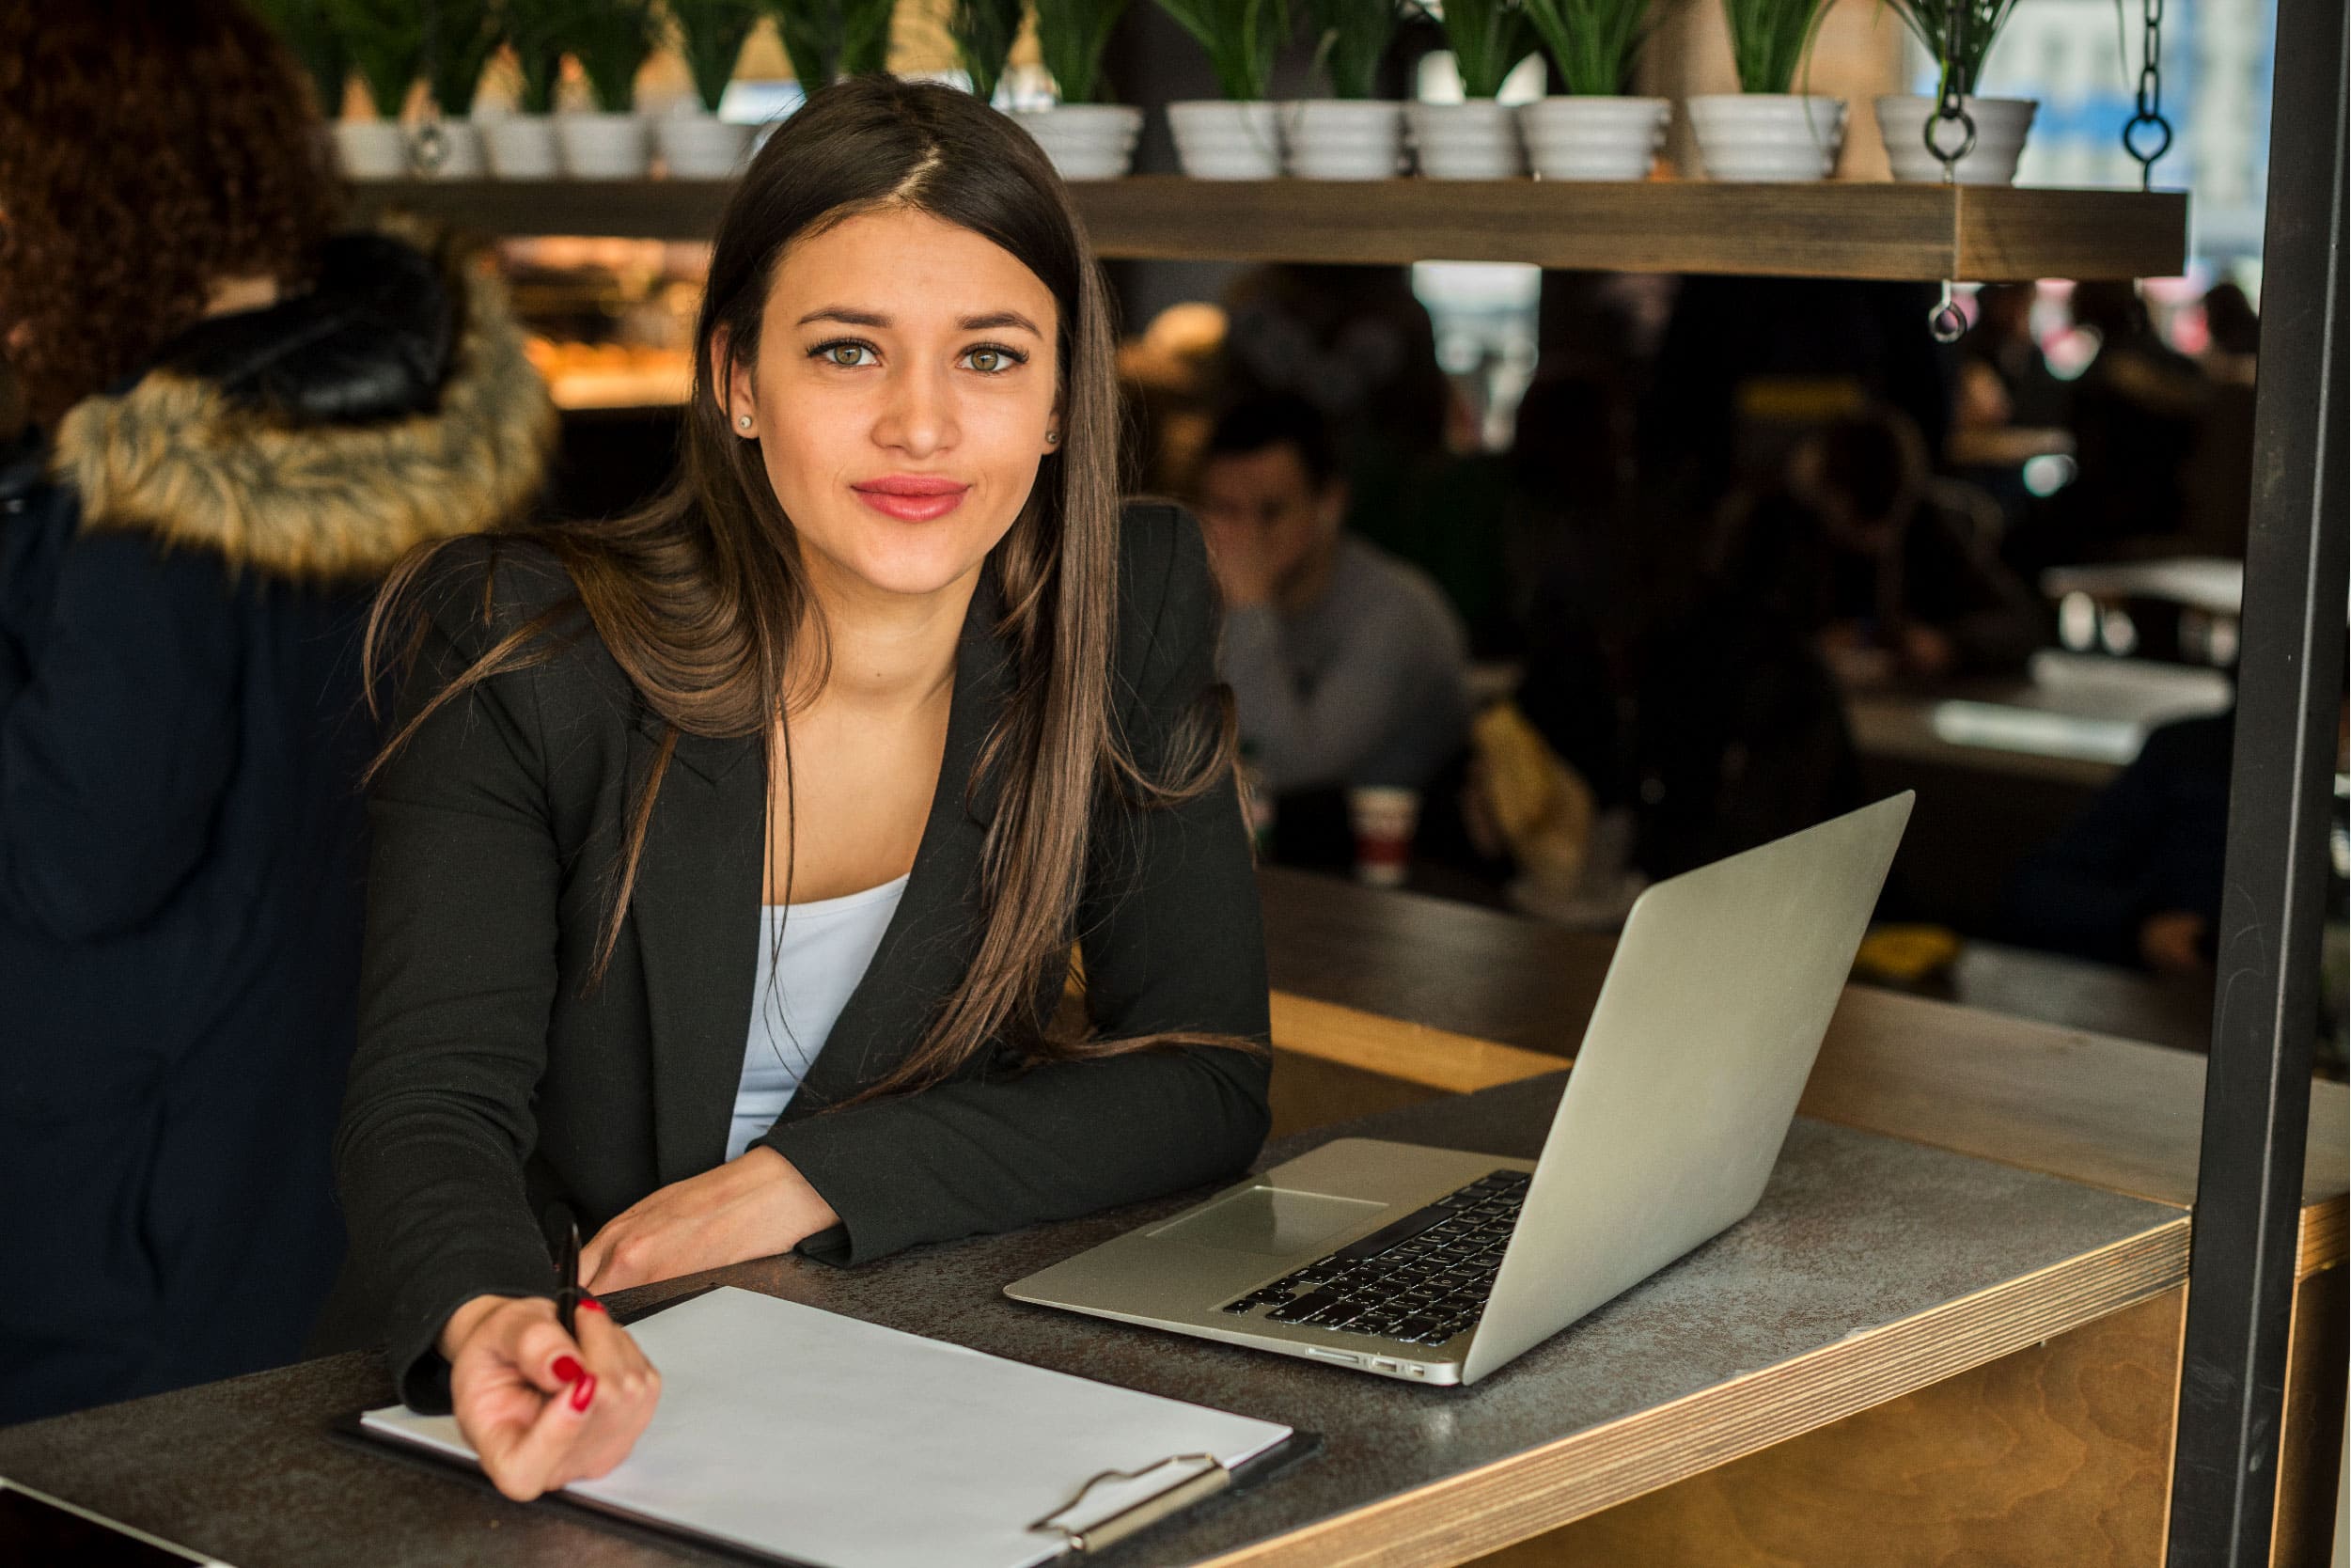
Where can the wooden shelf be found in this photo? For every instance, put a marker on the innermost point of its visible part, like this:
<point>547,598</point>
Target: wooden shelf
<point>1838,229</point>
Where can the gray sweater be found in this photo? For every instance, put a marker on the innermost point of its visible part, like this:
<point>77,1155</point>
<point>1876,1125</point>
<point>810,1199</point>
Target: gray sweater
<point>1369,684</point>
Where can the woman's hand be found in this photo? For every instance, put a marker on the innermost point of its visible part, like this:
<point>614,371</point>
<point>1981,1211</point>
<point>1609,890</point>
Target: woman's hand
<point>541,1409</point>
<point>754,1207</point>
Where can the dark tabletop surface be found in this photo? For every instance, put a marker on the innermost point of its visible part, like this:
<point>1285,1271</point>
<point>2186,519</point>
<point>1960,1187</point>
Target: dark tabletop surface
<point>1856,1232</point>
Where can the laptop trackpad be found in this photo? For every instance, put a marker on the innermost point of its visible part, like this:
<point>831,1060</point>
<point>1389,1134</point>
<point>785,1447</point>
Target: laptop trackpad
<point>1271,1220</point>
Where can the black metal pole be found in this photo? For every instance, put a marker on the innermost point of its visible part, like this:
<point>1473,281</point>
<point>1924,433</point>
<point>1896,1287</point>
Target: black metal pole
<point>2249,1184</point>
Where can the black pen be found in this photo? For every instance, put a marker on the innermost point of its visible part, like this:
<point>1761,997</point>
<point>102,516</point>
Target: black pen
<point>567,1298</point>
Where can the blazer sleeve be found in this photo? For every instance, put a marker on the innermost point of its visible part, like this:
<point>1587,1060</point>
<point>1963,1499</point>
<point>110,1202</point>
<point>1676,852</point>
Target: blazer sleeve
<point>457,985</point>
<point>1172,941</point>
<point>117,742</point>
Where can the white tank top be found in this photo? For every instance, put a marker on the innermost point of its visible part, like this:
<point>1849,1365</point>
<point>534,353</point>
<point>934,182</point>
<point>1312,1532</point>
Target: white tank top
<point>811,957</point>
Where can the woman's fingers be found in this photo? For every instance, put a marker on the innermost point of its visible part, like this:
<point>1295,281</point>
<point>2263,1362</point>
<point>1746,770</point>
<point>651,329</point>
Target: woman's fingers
<point>627,1389</point>
<point>524,1461</point>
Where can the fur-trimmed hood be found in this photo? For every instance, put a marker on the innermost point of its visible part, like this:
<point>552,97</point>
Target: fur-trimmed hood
<point>322,438</point>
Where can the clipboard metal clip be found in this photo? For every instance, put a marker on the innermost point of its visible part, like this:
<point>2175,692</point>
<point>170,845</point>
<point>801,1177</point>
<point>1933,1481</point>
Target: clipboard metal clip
<point>1195,1476</point>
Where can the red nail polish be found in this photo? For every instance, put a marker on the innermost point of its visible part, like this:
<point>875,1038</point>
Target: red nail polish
<point>589,1303</point>
<point>568,1369</point>
<point>584,1391</point>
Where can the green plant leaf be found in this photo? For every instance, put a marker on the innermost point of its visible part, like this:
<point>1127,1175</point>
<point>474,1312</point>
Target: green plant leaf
<point>612,40</point>
<point>302,27</point>
<point>533,31</point>
<point>1770,40</point>
<point>1980,24</point>
<point>709,37</point>
<point>460,37</point>
<point>1488,38</point>
<point>983,32</point>
<point>1070,36</point>
<point>829,39</point>
<point>1595,43</point>
<point>1241,38</point>
<point>384,41</point>
<point>1350,38</point>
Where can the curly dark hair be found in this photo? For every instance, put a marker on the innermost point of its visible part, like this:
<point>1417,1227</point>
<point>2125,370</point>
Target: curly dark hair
<point>148,149</point>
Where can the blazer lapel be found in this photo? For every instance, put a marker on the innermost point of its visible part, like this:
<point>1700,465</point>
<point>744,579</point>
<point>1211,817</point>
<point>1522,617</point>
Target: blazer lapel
<point>696,914</point>
<point>931,940</point>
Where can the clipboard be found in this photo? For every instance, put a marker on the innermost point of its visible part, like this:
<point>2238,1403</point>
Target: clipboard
<point>1081,1512</point>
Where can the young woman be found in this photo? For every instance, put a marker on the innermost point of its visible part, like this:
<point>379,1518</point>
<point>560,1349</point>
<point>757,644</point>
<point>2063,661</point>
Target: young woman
<point>238,424</point>
<point>729,857</point>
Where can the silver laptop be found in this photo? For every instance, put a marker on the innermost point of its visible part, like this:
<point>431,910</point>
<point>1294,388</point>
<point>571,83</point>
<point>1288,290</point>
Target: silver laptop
<point>1438,1266</point>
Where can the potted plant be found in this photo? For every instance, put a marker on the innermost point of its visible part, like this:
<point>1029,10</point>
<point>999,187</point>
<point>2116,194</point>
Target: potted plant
<point>1913,145</point>
<point>307,33</point>
<point>1086,139</point>
<point>831,38</point>
<point>464,36</point>
<point>1476,138</point>
<point>1236,137</point>
<point>1764,132</point>
<point>383,40</point>
<point>1594,131</point>
<point>982,32</point>
<point>695,143</point>
<point>1351,134</point>
<point>522,144</point>
<point>611,39</point>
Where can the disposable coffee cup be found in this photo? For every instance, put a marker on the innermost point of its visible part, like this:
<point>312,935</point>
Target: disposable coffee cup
<point>1383,817</point>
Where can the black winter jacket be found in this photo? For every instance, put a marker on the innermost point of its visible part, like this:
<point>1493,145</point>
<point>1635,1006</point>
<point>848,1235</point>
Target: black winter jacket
<point>184,570</point>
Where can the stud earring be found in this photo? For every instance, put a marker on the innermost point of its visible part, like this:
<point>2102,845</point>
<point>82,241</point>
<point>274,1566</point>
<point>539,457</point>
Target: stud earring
<point>744,419</point>
<point>1053,438</point>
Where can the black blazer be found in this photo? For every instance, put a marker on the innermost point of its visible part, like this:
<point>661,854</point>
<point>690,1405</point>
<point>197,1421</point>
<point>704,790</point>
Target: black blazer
<point>489,1086</point>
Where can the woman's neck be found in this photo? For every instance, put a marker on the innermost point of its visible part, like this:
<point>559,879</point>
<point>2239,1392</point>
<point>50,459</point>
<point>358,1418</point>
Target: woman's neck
<point>888,654</point>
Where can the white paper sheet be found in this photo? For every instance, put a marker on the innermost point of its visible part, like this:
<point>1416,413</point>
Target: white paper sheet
<point>839,1444</point>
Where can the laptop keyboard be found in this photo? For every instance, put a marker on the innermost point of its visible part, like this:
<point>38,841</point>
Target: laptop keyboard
<point>1419,1280</point>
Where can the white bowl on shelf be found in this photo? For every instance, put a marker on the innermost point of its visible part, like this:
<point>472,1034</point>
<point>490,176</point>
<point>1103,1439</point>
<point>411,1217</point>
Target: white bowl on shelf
<point>700,145</point>
<point>371,149</point>
<point>1594,137</point>
<point>1344,138</point>
<point>1086,141</point>
<point>601,146</point>
<point>1768,138</point>
<point>1474,139</point>
<point>1225,140</point>
<point>2002,125</point>
<point>521,147</point>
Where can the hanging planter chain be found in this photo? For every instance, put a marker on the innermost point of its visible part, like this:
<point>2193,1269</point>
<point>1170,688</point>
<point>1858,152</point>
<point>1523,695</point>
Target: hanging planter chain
<point>1946,323</point>
<point>2150,105</point>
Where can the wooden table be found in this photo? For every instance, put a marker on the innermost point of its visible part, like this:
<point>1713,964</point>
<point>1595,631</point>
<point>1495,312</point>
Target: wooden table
<point>1953,1324</point>
<point>1873,1267</point>
<point>1382,999</point>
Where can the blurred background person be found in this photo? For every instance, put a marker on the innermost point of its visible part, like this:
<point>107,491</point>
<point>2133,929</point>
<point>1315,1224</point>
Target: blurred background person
<point>1348,668</point>
<point>2137,415</point>
<point>237,424</point>
<point>1893,582</point>
<point>2136,879</point>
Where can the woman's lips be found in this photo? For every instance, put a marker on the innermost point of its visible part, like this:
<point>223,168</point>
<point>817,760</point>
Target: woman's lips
<point>910,498</point>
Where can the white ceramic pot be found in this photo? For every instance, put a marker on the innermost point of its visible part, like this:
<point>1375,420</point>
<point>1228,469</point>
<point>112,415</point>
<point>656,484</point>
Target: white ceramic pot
<point>2000,127</point>
<point>1086,141</point>
<point>1769,136</point>
<point>1344,138</point>
<point>1594,138</point>
<point>521,147</point>
<point>371,149</point>
<point>603,147</point>
<point>1220,139</point>
<point>448,149</point>
<point>700,146</point>
<point>1475,139</point>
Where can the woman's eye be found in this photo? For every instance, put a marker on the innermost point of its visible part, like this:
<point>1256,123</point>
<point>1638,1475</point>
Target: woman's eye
<point>843,354</point>
<point>991,361</point>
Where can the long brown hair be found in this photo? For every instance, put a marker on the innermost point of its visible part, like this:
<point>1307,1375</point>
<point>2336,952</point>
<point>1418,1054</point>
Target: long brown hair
<point>701,596</point>
<point>148,149</point>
